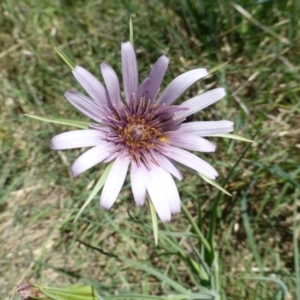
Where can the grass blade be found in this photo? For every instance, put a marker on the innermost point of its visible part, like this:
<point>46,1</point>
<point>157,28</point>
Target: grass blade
<point>74,123</point>
<point>158,275</point>
<point>65,58</point>
<point>296,247</point>
<point>233,137</point>
<point>214,183</point>
<point>131,30</point>
<point>214,69</point>
<point>248,228</point>
<point>96,189</point>
<point>196,229</point>
<point>275,280</point>
<point>213,218</point>
<point>154,222</point>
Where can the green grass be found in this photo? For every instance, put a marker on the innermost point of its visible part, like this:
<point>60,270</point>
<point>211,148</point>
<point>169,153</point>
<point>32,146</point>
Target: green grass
<point>257,227</point>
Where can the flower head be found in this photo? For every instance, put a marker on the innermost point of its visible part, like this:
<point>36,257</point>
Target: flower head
<point>142,132</point>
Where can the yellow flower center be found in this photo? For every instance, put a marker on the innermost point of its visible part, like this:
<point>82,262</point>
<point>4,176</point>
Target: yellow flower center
<point>139,134</point>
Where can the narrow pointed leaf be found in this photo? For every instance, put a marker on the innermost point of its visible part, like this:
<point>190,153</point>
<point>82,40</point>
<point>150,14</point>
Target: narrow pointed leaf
<point>212,182</point>
<point>200,235</point>
<point>130,30</point>
<point>74,123</point>
<point>233,136</point>
<point>217,67</point>
<point>147,297</point>
<point>150,270</point>
<point>154,222</point>
<point>65,58</point>
<point>74,292</point>
<point>96,189</point>
<point>200,270</point>
<point>271,279</point>
<point>66,296</point>
<point>209,256</point>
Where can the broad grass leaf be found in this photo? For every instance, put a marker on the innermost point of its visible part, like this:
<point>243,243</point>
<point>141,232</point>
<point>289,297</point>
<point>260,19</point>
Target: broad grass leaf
<point>73,292</point>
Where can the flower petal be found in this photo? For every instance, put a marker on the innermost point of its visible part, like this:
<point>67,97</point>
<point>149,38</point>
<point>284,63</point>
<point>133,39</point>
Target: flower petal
<point>168,166</point>
<point>77,139</point>
<point>114,182</point>
<point>157,75</point>
<point>141,91</point>
<point>85,105</point>
<point>91,157</point>
<point>138,184</point>
<point>91,84</point>
<point>163,193</point>
<point>201,101</point>
<point>178,85</point>
<point>206,128</point>
<point>189,141</point>
<point>129,70</point>
<point>111,82</point>
<point>190,160</point>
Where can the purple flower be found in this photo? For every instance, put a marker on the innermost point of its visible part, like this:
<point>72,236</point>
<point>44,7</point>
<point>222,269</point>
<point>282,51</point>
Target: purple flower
<point>142,131</point>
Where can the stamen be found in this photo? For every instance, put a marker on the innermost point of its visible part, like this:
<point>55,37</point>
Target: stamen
<point>138,134</point>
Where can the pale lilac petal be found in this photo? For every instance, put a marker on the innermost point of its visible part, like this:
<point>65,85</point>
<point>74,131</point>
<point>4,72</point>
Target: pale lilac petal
<point>138,183</point>
<point>91,84</point>
<point>84,104</point>
<point>114,182</point>
<point>171,191</point>
<point>129,70</point>
<point>112,156</point>
<point>111,82</point>
<point>168,166</point>
<point>190,160</point>
<point>178,85</point>
<point>206,128</point>
<point>156,193</point>
<point>157,75</point>
<point>142,89</point>
<point>91,157</point>
<point>189,141</point>
<point>77,139</point>
<point>200,102</point>
<point>163,193</point>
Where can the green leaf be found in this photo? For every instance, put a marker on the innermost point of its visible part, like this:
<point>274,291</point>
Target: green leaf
<point>73,292</point>
<point>197,296</point>
<point>146,297</point>
<point>65,58</point>
<point>200,270</point>
<point>96,189</point>
<point>131,30</point>
<point>196,228</point>
<point>74,123</point>
<point>215,184</point>
<point>271,279</point>
<point>162,277</point>
<point>296,244</point>
<point>209,256</point>
<point>234,137</point>
<point>217,67</point>
<point>154,221</point>
<point>248,229</point>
